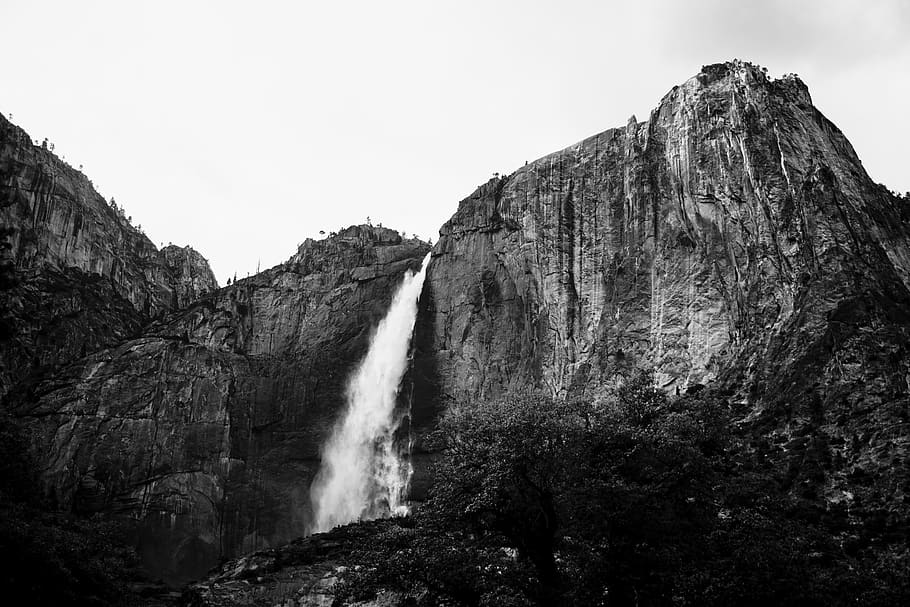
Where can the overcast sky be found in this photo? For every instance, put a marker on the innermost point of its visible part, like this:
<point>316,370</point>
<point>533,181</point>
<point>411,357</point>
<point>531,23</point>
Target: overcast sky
<point>242,128</point>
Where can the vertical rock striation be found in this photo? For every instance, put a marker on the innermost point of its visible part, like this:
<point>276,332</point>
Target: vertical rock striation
<point>58,219</point>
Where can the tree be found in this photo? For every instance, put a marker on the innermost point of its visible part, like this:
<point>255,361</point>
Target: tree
<point>501,472</point>
<point>618,485</point>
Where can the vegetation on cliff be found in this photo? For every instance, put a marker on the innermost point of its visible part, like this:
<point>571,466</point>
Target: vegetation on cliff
<point>629,497</point>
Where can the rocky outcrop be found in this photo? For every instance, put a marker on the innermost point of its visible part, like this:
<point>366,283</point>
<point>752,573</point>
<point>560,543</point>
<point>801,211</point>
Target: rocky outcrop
<point>206,429</point>
<point>58,219</point>
<point>304,573</point>
<point>733,239</point>
<point>54,316</point>
<point>73,256</point>
<point>190,274</point>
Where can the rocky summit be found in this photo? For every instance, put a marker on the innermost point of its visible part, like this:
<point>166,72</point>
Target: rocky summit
<point>732,245</point>
<point>85,277</point>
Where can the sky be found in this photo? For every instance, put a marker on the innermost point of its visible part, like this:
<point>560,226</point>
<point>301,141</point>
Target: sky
<point>243,128</point>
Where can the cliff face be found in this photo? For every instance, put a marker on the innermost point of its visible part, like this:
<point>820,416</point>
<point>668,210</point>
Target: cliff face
<point>198,413</point>
<point>206,429</point>
<point>59,219</point>
<point>734,238</point>
<point>674,242</point>
<point>76,262</point>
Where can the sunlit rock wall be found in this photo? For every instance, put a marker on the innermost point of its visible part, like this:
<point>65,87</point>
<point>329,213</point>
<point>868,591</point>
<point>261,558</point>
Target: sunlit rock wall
<point>680,243</point>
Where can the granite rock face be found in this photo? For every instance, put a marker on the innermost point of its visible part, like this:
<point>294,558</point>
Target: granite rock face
<point>74,257</point>
<point>674,242</point>
<point>733,239</point>
<point>206,429</point>
<point>54,316</point>
<point>190,275</point>
<point>59,219</point>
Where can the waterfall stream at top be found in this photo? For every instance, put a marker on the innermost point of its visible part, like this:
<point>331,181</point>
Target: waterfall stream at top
<point>364,473</point>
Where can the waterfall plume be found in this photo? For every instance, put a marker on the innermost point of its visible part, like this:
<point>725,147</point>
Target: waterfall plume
<point>365,472</point>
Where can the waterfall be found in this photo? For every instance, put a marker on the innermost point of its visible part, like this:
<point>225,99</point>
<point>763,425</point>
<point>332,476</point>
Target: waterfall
<point>365,472</point>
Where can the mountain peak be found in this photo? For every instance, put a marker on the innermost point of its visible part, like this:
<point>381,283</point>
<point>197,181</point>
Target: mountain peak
<point>745,73</point>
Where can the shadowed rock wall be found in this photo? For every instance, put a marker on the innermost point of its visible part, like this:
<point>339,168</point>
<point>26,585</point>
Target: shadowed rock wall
<point>206,429</point>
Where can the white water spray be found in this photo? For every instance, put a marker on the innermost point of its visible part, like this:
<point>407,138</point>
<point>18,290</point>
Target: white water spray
<point>364,474</point>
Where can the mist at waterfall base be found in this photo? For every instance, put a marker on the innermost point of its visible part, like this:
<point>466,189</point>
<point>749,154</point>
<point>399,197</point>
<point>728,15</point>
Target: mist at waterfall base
<point>365,472</point>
